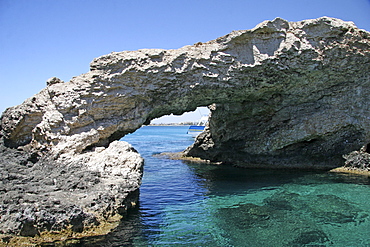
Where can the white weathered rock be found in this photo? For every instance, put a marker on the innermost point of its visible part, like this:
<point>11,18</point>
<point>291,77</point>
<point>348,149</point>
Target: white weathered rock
<point>53,80</point>
<point>284,94</point>
<point>270,75</point>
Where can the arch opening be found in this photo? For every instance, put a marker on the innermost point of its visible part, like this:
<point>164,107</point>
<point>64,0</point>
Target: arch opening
<point>187,118</point>
<point>285,94</point>
<point>274,92</point>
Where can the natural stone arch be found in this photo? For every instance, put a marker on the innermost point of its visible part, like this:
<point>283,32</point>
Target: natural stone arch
<point>284,94</point>
<point>296,82</point>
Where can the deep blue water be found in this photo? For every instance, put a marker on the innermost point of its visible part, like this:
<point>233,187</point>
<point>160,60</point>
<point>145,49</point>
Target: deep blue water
<point>188,204</point>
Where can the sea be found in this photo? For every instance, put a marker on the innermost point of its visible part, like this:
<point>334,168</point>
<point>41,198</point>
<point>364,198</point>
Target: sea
<point>191,204</point>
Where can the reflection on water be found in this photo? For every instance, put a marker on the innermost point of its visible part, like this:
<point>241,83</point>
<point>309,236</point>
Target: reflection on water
<point>187,204</point>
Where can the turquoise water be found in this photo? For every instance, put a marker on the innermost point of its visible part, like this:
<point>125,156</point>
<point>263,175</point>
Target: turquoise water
<point>187,204</point>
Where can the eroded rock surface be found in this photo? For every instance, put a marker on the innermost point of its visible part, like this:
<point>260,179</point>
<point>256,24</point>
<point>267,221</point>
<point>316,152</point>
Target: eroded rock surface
<point>278,87</point>
<point>357,160</point>
<point>284,94</point>
<point>80,195</point>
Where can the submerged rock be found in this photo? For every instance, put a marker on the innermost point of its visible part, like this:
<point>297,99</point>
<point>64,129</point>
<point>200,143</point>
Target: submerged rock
<point>284,94</point>
<point>289,219</point>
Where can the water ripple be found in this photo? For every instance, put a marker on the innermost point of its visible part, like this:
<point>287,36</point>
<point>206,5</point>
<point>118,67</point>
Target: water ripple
<point>185,204</point>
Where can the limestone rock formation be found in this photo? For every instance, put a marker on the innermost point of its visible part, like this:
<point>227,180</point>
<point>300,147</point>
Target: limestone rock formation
<point>84,194</point>
<point>284,94</point>
<point>357,160</point>
<point>53,80</point>
<point>306,106</point>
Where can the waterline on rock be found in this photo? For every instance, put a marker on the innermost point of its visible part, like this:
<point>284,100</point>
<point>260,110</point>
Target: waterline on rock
<point>185,203</point>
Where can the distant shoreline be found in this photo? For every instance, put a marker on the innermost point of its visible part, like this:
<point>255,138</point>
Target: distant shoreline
<point>170,124</point>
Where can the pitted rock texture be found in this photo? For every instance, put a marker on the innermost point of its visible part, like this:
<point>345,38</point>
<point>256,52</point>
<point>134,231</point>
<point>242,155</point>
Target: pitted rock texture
<point>278,87</point>
<point>284,94</point>
<point>357,160</point>
<point>75,196</point>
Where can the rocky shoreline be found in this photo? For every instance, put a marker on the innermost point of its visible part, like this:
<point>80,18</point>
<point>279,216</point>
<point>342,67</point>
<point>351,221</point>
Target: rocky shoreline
<point>282,95</point>
<point>356,162</point>
<point>45,200</point>
<point>349,170</point>
<point>361,167</point>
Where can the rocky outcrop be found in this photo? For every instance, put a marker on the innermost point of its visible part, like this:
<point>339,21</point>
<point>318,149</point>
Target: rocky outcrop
<point>284,94</point>
<point>306,104</point>
<point>71,197</point>
<point>357,160</point>
<point>283,84</point>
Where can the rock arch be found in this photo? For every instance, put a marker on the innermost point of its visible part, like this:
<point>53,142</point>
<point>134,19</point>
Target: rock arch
<point>282,90</point>
<point>284,94</point>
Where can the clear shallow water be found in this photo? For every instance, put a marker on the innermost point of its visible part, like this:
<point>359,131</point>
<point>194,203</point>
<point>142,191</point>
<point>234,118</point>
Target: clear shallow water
<point>187,204</point>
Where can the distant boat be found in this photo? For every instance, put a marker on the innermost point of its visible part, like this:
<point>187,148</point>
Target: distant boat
<point>195,130</point>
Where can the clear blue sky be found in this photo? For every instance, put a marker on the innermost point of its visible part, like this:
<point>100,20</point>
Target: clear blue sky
<point>45,38</point>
